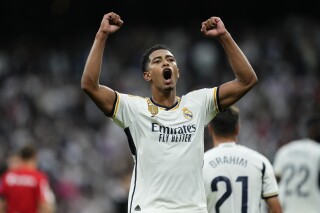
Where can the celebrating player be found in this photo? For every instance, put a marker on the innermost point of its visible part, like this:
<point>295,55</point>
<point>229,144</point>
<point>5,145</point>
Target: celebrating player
<point>165,131</point>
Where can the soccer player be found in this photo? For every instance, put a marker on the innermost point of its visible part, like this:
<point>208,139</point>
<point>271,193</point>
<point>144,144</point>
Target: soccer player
<point>165,132</point>
<point>236,177</point>
<point>23,188</point>
<point>297,167</point>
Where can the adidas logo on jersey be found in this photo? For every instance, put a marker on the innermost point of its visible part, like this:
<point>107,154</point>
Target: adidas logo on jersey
<point>137,208</point>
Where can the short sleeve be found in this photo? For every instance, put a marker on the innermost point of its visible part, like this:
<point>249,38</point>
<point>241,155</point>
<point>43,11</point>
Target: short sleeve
<point>46,194</point>
<point>209,100</point>
<point>269,183</point>
<point>2,186</point>
<point>125,109</point>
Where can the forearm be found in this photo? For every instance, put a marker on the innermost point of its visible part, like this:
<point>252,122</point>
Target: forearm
<point>92,69</point>
<point>241,67</point>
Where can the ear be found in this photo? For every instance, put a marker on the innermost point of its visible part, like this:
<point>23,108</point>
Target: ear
<point>237,129</point>
<point>147,76</point>
<point>210,129</point>
<point>178,73</point>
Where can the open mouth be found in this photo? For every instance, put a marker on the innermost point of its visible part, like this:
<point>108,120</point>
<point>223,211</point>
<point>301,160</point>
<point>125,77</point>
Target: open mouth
<point>167,73</point>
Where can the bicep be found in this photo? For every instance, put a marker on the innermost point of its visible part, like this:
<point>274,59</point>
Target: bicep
<point>104,98</point>
<point>230,92</point>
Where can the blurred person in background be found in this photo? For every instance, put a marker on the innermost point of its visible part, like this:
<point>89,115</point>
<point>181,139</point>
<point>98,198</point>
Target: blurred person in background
<point>165,132</point>
<point>235,176</point>
<point>297,167</point>
<point>23,187</point>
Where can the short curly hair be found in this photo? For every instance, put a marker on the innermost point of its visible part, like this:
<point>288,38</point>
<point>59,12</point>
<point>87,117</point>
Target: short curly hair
<point>145,57</point>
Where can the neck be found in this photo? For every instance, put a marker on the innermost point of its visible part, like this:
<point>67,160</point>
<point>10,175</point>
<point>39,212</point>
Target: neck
<point>166,99</point>
<point>29,164</point>
<point>219,139</point>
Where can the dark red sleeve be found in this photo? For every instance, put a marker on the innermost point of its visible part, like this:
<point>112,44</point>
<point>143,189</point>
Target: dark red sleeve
<point>43,188</point>
<point>3,186</point>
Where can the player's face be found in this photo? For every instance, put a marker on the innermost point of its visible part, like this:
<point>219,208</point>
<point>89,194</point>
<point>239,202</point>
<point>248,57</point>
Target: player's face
<point>163,71</point>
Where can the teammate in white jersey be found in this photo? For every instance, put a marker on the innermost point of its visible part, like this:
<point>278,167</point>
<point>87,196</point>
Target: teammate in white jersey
<point>297,166</point>
<point>165,132</point>
<point>236,177</point>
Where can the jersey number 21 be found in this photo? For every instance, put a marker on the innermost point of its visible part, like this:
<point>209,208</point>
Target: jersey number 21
<point>242,179</point>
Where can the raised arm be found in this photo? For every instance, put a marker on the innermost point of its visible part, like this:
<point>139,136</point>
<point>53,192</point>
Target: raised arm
<point>103,96</point>
<point>245,77</point>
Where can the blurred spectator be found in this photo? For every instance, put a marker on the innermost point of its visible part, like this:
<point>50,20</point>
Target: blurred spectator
<point>24,188</point>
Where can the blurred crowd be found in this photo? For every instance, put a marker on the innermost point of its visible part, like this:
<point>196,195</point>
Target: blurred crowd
<point>86,156</point>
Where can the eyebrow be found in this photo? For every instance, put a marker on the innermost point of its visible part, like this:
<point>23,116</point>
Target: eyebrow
<point>159,57</point>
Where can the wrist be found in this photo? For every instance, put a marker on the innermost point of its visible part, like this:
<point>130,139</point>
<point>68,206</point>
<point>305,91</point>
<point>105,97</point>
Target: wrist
<point>102,35</point>
<point>224,36</point>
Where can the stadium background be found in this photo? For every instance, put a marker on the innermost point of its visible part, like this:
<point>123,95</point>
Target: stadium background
<point>43,48</point>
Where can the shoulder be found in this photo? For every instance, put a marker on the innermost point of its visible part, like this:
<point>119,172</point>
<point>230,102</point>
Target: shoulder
<point>131,98</point>
<point>200,91</point>
<point>210,152</point>
<point>130,101</point>
<point>41,175</point>
<point>201,95</point>
<point>253,153</point>
<point>292,145</point>
<point>216,152</point>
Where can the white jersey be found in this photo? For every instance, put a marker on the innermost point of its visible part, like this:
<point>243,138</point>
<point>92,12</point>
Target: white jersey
<point>298,165</point>
<point>236,178</point>
<point>167,145</point>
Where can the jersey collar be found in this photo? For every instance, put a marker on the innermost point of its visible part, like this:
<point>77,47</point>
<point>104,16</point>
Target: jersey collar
<point>164,107</point>
<point>227,144</point>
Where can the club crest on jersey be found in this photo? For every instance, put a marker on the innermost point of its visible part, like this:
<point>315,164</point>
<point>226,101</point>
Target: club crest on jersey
<point>187,113</point>
<point>153,109</point>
